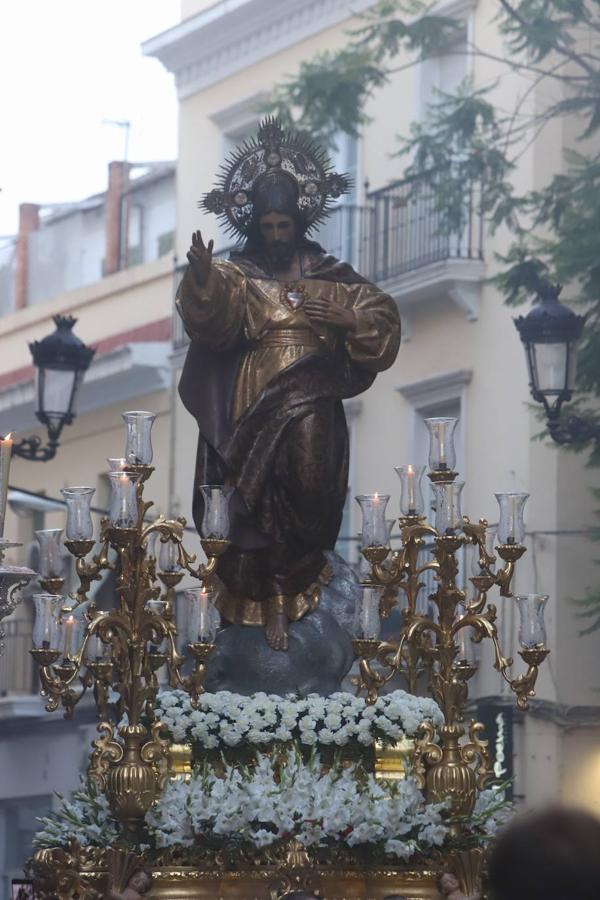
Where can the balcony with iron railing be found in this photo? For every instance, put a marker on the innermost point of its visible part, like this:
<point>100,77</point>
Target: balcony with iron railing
<point>398,239</point>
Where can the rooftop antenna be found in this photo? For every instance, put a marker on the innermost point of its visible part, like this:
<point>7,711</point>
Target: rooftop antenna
<point>125,124</point>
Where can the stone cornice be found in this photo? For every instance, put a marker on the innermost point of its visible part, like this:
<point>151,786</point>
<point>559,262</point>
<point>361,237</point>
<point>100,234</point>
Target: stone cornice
<point>235,34</point>
<point>439,387</point>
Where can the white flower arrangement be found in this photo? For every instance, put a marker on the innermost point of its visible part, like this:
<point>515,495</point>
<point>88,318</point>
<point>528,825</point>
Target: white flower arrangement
<point>270,801</point>
<point>492,810</point>
<point>273,800</point>
<point>225,720</point>
<point>86,818</point>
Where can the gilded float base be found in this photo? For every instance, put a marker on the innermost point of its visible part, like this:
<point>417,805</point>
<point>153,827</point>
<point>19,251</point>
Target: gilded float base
<point>265,884</point>
<point>59,874</point>
<point>88,873</point>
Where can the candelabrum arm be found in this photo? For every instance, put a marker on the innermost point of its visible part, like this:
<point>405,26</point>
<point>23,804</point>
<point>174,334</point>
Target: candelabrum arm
<point>89,571</point>
<point>523,686</point>
<point>57,685</point>
<point>172,529</point>
<point>510,553</point>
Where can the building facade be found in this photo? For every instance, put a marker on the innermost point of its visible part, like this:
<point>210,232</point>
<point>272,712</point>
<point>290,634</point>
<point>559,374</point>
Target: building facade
<point>461,355</point>
<point>109,261</point>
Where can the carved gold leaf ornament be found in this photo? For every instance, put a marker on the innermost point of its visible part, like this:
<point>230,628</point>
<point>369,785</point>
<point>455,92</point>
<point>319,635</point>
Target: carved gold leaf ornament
<point>444,757</point>
<point>79,872</point>
<point>131,765</point>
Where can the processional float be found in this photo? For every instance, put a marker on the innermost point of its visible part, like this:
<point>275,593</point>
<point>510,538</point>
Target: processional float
<point>122,655</point>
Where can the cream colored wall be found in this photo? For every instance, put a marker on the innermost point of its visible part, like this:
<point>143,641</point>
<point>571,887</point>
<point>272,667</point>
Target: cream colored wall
<point>119,303</point>
<point>81,460</point>
<point>501,453</point>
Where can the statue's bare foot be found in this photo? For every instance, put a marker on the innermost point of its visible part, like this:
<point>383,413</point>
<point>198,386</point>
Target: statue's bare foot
<point>276,630</point>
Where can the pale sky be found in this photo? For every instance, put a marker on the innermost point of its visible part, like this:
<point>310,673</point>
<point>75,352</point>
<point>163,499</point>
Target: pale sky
<point>65,66</point>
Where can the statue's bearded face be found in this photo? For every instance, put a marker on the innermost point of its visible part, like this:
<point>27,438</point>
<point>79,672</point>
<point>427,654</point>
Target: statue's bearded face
<point>278,233</point>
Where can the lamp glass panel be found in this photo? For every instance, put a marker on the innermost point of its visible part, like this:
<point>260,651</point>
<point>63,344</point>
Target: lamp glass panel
<point>551,362</point>
<point>572,365</point>
<point>55,393</point>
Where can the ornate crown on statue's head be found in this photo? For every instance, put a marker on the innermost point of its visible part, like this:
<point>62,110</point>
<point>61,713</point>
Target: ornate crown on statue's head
<point>287,163</point>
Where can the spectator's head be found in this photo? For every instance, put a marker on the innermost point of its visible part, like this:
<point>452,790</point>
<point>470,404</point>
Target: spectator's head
<point>549,855</point>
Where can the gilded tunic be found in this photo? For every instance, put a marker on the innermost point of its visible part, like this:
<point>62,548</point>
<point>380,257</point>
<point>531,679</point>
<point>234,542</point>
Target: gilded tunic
<point>271,419</point>
<point>232,306</point>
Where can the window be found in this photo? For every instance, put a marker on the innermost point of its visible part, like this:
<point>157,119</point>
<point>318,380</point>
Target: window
<point>442,73</point>
<point>339,234</point>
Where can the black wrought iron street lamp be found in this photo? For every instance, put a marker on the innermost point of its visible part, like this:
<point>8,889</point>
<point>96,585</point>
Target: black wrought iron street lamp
<point>61,360</point>
<point>550,333</point>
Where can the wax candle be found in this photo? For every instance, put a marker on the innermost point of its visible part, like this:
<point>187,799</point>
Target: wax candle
<point>69,629</point>
<point>5,455</point>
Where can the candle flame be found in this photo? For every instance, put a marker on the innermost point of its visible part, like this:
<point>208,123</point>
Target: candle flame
<point>410,470</point>
<point>8,436</point>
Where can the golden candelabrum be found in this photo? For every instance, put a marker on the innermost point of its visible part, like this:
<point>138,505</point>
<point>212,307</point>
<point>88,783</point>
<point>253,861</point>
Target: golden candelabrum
<point>118,653</point>
<point>436,644</point>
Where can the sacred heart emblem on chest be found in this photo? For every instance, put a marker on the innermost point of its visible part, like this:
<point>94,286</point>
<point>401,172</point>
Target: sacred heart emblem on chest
<point>293,295</point>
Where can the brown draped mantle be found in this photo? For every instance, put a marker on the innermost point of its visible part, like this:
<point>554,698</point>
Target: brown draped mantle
<point>287,456</point>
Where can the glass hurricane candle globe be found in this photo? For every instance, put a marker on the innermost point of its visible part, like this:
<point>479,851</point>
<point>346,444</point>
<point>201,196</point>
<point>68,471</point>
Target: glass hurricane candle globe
<point>375,532</point>
<point>532,627</point>
<point>448,514</point>
<point>367,619</point>
<point>72,629</point>
<point>511,527</point>
<point>45,630</point>
<point>123,505</point>
<point>79,517</point>
<point>411,495</point>
<point>138,449</point>
<point>168,556</point>
<point>442,454</point>
<point>203,618</point>
<point>215,520</point>
<point>51,562</point>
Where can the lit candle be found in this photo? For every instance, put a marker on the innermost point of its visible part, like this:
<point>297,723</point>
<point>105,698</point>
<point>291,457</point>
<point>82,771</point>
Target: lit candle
<point>5,455</point>
<point>441,434</point>
<point>204,615</point>
<point>124,514</point>
<point>69,626</point>
<point>410,487</point>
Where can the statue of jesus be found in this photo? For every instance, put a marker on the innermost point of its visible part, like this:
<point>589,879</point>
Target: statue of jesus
<point>280,334</point>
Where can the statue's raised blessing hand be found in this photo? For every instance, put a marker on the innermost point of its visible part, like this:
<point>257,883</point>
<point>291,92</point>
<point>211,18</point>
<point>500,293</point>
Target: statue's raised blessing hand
<point>200,257</point>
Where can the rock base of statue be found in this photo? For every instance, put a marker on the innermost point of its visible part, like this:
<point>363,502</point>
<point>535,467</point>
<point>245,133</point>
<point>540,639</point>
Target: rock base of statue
<point>320,651</point>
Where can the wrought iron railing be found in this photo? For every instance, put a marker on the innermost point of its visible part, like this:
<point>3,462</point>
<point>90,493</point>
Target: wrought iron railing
<point>407,229</point>
<point>400,229</point>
